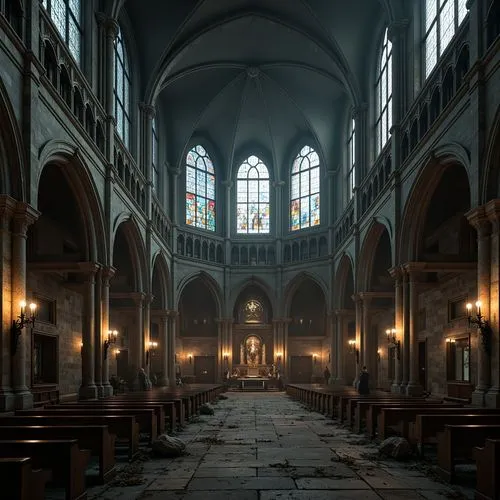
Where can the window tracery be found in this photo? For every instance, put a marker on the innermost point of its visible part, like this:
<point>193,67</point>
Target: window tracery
<point>383,93</point>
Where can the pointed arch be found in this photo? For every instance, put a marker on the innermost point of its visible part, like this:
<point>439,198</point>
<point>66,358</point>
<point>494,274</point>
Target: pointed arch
<point>295,283</point>
<point>345,270</point>
<point>160,271</point>
<point>211,284</point>
<point>255,282</point>
<point>66,155</point>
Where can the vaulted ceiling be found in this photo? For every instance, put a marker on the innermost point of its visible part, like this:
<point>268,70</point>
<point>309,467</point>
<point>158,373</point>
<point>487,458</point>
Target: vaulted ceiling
<point>255,75</point>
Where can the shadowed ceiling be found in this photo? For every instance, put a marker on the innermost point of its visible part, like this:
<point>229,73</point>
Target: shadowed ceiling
<point>255,75</point>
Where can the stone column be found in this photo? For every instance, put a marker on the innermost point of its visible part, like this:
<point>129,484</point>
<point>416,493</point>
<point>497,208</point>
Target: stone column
<point>135,340</point>
<point>107,274</point>
<point>358,362</point>
<point>405,335</point>
<point>146,321</point>
<point>341,319</point>
<point>24,215</point>
<point>493,394</point>
<point>111,29</point>
<point>367,356</point>
<point>478,219</point>
<point>172,317</point>
<point>286,355</point>
<point>396,273</point>
<point>7,206</point>
<point>88,389</point>
<point>100,335</point>
<point>164,350</point>
<point>413,388</point>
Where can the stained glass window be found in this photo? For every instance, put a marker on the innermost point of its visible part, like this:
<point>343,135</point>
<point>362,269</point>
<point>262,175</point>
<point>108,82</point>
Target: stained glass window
<point>442,19</point>
<point>200,189</point>
<point>122,90</point>
<point>154,157</point>
<point>67,18</point>
<point>252,213</point>
<point>383,94</point>
<point>304,190</point>
<point>351,161</point>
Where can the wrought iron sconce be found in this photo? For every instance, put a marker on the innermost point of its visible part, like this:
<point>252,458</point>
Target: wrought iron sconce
<point>353,349</point>
<point>392,341</point>
<point>379,355</point>
<point>21,322</point>
<point>112,336</point>
<point>482,325</point>
<point>151,350</point>
<point>190,358</point>
<point>225,356</point>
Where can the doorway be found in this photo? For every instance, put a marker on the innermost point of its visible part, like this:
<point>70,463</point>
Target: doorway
<point>204,369</point>
<point>422,362</point>
<point>301,369</point>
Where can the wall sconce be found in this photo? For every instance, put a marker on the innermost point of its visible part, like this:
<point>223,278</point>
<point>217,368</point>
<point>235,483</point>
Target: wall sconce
<point>190,358</point>
<point>112,336</point>
<point>315,358</point>
<point>81,349</point>
<point>152,346</point>
<point>301,320</point>
<point>117,351</point>
<point>482,325</point>
<point>392,341</point>
<point>450,341</point>
<point>278,357</point>
<point>225,356</point>
<point>22,321</point>
<point>353,349</point>
<point>379,354</point>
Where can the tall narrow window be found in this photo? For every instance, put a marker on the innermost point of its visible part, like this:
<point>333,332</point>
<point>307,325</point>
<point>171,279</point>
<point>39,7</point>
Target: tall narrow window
<point>304,190</point>
<point>351,161</point>
<point>442,19</point>
<point>383,92</point>
<point>200,189</point>
<point>122,89</point>
<point>67,17</point>
<point>154,157</point>
<point>252,197</point>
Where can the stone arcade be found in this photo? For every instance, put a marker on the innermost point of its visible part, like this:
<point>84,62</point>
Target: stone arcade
<point>249,188</point>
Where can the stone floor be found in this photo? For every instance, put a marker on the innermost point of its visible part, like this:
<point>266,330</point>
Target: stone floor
<point>266,446</point>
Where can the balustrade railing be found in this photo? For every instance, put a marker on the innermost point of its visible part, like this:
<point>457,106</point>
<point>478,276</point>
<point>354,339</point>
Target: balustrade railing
<point>161,222</point>
<point>344,225</point>
<point>297,248</point>
<point>200,246</point>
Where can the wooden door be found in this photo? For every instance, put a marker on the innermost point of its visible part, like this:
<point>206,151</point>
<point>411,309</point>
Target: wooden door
<point>422,364</point>
<point>301,369</point>
<point>204,369</point>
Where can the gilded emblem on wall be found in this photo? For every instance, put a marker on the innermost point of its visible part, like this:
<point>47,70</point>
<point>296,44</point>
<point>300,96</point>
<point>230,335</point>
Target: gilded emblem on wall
<point>253,312</point>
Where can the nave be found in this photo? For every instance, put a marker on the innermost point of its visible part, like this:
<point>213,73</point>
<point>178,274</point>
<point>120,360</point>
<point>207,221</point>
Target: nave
<point>267,446</point>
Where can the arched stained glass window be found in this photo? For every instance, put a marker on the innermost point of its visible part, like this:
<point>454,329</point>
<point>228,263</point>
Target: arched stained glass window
<point>383,94</point>
<point>304,190</point>
<point>351,161</point>
<point>442,19</point>
<point>122,89</point>
<point>67,17</point>
<point>252,197</point>
<point>200,189</point>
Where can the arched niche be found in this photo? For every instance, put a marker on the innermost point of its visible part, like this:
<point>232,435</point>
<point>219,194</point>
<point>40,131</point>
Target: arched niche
<point>307,310</point>
<point>252,307</point>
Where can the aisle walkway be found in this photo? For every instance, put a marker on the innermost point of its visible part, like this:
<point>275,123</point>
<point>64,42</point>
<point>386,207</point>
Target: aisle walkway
<point>266,446</point>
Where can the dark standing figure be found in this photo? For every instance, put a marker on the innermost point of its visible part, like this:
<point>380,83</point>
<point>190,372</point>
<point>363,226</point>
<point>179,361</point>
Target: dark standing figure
<point>327,375</point>
<point>364,379</point>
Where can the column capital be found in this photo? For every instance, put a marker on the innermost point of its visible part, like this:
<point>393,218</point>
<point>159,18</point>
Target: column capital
<point>137,297</point>
<point>358,110</point>
<point>174,170</point>
<point>108,272</point>
<point>111,26</point>
<point>172,314</point>
<point>88,268</point>
<point>7,205</point>
<point>148,110</point>
<point>397,29</point>
<point>478,219</point>
<point>396,272</point>
<point>228,184</point>
<point>492,211</point>
<point>24,215</point>
<point>278,184</point>
<point>413,269</point>
<point>342,313</point>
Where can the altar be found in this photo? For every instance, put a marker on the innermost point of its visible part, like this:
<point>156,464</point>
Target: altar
<point>253,383</point>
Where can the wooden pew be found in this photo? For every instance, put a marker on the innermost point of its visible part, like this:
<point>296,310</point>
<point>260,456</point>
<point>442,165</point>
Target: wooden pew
<point>144,417</point>
<point>423,430</point>
<point>488,465</point>
<point>105,405</point>
<point>396,418</point>
<point>344,399</point>
<point>95,438</point>
<point>63,457</point>
<point>124,426</point>
<point>458,442</point>
<point>20,481</point>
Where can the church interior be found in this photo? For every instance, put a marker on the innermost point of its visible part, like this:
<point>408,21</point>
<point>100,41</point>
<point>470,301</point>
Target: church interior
<point>249,195</point>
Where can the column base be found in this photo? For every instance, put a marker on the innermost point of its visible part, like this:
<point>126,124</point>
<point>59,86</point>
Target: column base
<point>107,390</point>
<point>163,382</point>
<point>492,398</point>
<point>23,400</point>
<point>414,390</point>
<point>396,388</point>
<point>478,397</point>
<point>87,392</point>
<point>100,391</point>
<point>6,400</point>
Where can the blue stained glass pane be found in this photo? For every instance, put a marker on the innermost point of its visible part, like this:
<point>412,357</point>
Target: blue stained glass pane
<point>211,187</point>
<point>74,40</point>
<point>200,163</point>
<point>58,14</point>
<point>295,187</point>
<point>315,210</point>
<point>242,191</point>
<point>304,212</point>
<point>190,209</point>
<point>190,180</point>
<point>209,165</point>
<point>211,216</point>
<point>264,191</point>
<point>201,211</point>
<point>253,218</point>
<point>264,218</point>
<point>295,214</point>
<point>200,183</point>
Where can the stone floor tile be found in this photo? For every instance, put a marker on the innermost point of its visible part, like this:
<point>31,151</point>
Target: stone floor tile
<point>319,495</point>
<point>225,472</point>
<point>261,483</point>
<point>169,483</point>
<point>326,483</point>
